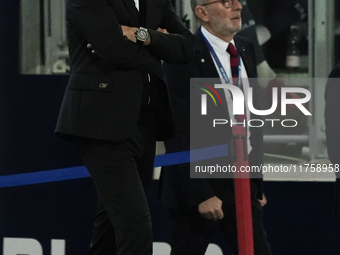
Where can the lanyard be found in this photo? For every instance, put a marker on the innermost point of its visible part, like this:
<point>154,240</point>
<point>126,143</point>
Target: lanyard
<point>227,81</point>
<point>221,68</point>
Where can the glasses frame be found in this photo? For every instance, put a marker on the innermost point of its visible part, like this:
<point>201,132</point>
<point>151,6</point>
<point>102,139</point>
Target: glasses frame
<point>224,2</point>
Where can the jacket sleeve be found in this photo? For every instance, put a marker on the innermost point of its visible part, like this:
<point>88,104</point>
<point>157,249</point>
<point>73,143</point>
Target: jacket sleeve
<point>97,23</point>
<point>175,47</point>
<point>195,191</point>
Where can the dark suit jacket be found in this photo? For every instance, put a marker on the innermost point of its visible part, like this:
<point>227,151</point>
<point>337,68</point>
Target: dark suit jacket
<point>103,95</point>
<point>179,191</point>
<point>332,119</point>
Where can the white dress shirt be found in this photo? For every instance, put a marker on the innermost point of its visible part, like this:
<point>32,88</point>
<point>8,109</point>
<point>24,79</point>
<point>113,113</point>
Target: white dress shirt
<point>137,4</point>
<point>220,48</point>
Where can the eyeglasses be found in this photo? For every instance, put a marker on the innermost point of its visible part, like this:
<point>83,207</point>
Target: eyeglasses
<point>226,3</point>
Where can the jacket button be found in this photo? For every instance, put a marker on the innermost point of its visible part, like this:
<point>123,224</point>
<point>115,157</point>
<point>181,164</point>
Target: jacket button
<point>103,85</point>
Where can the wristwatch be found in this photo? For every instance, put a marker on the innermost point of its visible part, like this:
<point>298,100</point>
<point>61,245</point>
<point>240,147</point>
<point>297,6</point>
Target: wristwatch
<point>141,35</point>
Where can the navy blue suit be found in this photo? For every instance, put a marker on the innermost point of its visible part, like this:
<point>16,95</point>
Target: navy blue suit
<point>182,195</point>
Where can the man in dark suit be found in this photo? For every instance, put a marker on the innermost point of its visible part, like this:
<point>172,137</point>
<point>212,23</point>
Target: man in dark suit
<point>332,121</point>
<point>197,207</point>
<point>116,106</point>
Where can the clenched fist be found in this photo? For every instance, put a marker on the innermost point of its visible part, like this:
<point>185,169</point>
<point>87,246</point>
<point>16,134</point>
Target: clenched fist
<point>211,209</point>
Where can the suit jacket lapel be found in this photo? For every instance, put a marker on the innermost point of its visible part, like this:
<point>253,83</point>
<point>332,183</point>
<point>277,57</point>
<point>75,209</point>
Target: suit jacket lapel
<point>142,12</point>
<point>206,63</point>
<point>245,54</point>
<point>149,7</point>
<point>130,5</point>
<point>203,57</point>
<point>153,13</point>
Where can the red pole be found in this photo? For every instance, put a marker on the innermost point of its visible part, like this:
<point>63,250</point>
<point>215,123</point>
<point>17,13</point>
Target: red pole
<point>242,194</point>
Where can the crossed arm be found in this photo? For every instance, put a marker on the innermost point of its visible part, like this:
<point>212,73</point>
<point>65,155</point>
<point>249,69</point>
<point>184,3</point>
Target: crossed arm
<point>129,32</point>
<point>114,44</point>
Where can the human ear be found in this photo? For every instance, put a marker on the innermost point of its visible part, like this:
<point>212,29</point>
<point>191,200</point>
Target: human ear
<point>201,13</point>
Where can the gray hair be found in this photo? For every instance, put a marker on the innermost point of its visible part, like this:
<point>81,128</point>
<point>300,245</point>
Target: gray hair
<point>195,3</point>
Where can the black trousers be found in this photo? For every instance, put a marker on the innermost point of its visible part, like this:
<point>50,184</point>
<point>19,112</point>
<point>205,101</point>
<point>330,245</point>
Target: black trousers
<point>190,233</point>
<point>121,172</point>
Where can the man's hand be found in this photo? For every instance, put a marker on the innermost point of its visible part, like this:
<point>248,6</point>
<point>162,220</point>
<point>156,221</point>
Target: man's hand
<point>129,32</point>
<point>162,30</point>
<point>211,209</point>
<point>263,201</point>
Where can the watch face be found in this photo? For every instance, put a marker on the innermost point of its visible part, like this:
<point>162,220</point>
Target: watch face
<point>142,34</point>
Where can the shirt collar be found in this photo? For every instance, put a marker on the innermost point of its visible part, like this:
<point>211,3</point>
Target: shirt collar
<point>218,44</point>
